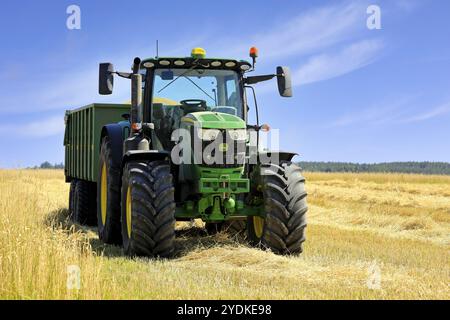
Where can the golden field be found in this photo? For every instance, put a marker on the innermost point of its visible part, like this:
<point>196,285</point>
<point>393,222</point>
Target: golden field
<point>400,223</point>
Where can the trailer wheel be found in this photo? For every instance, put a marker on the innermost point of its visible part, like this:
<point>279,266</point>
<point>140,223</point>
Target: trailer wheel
<point>108,196</point>
<point>82,202</point>
<point>73,184</point>
<point>148,209</point>
<point>283,192</point>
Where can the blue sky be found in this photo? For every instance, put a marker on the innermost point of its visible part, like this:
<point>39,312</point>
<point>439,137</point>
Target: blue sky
<point>360,95</point>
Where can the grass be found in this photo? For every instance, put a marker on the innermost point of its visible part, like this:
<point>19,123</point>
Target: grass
<point>401,222</point>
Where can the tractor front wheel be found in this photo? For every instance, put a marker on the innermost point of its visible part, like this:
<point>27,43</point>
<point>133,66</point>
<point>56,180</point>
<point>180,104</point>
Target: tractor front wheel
<point>148,209</point>
<point>282,189</point>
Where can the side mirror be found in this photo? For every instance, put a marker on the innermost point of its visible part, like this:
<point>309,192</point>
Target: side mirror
<point>105,78</point>
<point>284,81</point>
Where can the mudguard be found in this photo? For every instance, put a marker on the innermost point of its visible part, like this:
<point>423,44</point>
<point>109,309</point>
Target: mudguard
<point>282,155</point>
<point>115,133</point>
<point>144,155</point>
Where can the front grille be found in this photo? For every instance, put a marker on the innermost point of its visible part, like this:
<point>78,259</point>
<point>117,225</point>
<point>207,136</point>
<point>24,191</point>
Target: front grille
<point>231,156</point>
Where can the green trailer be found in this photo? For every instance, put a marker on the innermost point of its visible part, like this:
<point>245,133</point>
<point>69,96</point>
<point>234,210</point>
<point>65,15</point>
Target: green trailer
<point>182,150</point>
<point>82,137</point>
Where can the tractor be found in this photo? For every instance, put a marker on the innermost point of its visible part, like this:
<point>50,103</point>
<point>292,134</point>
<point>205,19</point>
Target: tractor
<point>183,150</point>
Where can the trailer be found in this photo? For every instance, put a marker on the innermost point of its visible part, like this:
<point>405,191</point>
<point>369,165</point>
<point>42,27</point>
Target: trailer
<point>82,137</point>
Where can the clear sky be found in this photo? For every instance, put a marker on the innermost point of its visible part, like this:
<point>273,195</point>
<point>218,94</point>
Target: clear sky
<point>360,95</point>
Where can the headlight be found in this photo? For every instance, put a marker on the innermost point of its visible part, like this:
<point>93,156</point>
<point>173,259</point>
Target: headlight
<point>238,134</point>
<point>208,134</point>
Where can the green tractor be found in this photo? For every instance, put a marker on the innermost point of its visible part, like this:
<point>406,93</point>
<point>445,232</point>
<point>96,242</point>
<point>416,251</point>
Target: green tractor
<point>183,150</point>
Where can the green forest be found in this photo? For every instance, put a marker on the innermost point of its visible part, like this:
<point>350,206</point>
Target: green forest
<point>392,167</point>
<point>389,167</point>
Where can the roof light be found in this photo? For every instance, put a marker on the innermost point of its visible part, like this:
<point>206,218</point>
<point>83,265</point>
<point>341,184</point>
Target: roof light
<point>179,63</point>
<point>230,64</point>
<point>245,67</point>
<point>198,53</point>
<point>216,63</point>
<point>164,62</point>
<point>149,64</point>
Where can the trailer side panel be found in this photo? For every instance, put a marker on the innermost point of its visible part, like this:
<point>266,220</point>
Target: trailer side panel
<point>82,138</point>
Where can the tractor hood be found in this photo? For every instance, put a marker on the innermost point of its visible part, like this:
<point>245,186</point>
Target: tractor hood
<point>214,120</point>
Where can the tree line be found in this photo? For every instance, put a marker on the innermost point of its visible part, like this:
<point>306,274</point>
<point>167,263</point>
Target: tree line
<point>48,165</point>
<point>387,167</point>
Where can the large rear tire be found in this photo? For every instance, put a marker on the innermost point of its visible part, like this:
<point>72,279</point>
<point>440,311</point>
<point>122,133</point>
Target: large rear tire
<point>282,230</point>
<point>148,209</point>
<point>108,196</point>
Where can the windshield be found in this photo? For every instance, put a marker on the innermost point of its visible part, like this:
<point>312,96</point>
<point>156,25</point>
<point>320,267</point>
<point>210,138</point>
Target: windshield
<point>219,90</point>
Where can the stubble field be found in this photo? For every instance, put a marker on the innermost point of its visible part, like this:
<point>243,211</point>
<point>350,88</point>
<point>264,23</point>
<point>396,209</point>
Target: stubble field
<point>370,236</point>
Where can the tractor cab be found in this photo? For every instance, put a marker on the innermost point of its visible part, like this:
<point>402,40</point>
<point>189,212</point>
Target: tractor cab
<point>177,93</point>
<point>177,87</point>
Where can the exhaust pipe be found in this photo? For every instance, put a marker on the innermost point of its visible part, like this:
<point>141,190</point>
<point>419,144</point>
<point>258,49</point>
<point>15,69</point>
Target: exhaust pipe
<point>136,65</point>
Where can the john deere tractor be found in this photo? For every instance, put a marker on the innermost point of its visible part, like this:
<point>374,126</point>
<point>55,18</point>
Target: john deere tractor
<point>182,150</point>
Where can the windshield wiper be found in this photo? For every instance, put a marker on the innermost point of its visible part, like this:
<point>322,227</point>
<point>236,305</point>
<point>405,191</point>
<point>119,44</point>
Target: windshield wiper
<point>181,75</point>
<point>193,82</point>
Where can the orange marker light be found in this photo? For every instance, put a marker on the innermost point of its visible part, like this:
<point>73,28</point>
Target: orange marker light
<point>265,128</point>
<point>253,52</point>
<point>136,126</point>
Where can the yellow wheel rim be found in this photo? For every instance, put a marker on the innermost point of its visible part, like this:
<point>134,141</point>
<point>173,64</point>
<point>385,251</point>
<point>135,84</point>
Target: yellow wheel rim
<point>104,193</point>
<point>258,226</point>
<point>128,211</point>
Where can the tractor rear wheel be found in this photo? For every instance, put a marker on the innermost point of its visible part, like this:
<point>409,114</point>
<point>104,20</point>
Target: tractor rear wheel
<point>108,196</point>
<point>282,188</point>
<point>148,209</point>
